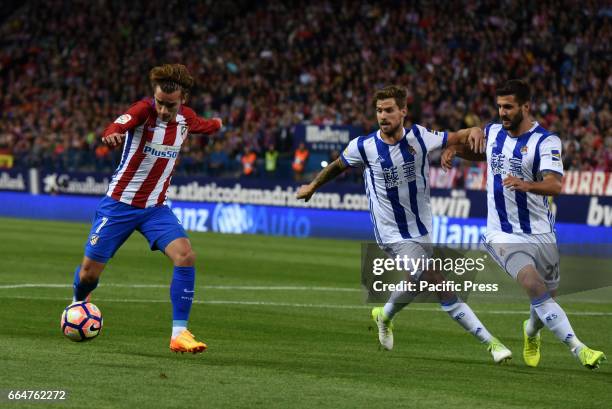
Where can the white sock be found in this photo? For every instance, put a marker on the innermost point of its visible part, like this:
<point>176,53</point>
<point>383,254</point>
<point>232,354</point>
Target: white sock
<point>463,314</point>
<point>397,301</point>
<point>555,319</point>
<point>534,324</point>
<point>176,331</point>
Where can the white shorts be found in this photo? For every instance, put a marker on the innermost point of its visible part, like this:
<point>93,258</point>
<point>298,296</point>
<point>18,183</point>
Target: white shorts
<point>417,248</point>
<point>513,251</point>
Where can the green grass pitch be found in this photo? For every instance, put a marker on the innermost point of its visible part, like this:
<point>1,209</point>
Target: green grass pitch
<point>286,326</point>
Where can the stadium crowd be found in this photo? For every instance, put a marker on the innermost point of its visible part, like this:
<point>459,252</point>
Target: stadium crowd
<point>67,68</point>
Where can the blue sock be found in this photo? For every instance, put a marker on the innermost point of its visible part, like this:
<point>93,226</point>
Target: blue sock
<point>181,294</point>
<point>81,290</point>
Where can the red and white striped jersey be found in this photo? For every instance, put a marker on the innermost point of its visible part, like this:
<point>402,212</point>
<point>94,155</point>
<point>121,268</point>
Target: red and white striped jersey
<point>150,151</point>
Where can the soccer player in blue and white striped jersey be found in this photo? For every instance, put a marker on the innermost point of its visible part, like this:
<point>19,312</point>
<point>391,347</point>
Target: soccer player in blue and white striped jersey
<point>396,168</point>
<point>524,168</point>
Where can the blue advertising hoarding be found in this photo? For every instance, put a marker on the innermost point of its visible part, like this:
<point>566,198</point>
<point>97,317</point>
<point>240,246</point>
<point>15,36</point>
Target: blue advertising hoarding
<point>454,203</point>
<point>236,218</point>
<point>14,180</point>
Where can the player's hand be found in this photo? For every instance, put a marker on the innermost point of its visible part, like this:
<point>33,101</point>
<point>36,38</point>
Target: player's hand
<point>305,192</point>
<point>476,140</point>
<point>218,121</point>
<point>114,139</point>
<point>514,183</point>
<point>446,160</point>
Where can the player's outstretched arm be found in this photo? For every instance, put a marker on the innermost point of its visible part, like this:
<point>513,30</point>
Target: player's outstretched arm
<point>461,151</point>
<point>330,172</point>
<point>205,126</point>
<point>473,137</point>
<point>199,125</point>
<point>550,185</point>
<point>115,132</point>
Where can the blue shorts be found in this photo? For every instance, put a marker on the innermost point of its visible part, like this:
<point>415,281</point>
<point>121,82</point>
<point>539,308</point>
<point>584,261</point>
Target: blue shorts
<point>115,221</point>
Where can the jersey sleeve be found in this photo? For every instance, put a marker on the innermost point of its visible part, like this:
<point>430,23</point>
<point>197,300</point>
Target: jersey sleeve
<point>487,129</point>
<point>135,115</point>
<point>350,155</point>
<point>550,155</point>
<point>433,139</point>
<point>199,125</point>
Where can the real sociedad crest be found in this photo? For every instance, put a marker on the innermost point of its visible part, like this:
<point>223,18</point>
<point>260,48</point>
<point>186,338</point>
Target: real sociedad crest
<point>94,239</point>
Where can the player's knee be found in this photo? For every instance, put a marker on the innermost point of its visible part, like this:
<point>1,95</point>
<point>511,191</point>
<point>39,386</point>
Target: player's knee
<point>530,280</point>
<point>185,258</point>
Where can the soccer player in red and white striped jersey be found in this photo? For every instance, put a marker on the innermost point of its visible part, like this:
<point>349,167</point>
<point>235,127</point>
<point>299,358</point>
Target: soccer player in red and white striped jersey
<point>152,132</point>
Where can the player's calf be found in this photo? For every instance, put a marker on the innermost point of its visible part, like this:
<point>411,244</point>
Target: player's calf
<point>86,277</point>
<point>461,313</point>
<point>182,290</point>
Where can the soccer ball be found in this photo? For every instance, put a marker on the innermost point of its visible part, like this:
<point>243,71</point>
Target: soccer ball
<point>81,321</point>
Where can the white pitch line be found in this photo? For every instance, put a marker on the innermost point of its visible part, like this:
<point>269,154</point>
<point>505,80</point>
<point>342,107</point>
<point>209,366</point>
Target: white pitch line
<point>262,288</point>
<point>9,286</point>
<point>298,305</point>
<point>206,287</point>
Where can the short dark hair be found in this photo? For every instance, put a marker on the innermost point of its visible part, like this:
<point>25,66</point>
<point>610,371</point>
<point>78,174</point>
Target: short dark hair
<point>392,91</point>
<point>171,77</point>
<point>519,88</point>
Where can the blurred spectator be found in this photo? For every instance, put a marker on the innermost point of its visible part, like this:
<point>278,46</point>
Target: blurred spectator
<point>6,154</point>
<point>248,162</point>
<point>218,160</point>
<point>271,160</point>
<point>300,157</point>
<point>103,157</point>
<point>6,159</point>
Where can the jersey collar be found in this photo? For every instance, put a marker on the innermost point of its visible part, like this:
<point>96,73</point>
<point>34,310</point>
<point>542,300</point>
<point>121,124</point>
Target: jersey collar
<point>526,134</point>
<point>391,144</point>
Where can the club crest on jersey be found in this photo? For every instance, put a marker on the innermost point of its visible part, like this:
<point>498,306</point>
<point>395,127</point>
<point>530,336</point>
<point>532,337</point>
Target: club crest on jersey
<point>183,131</point>
<point>411,149</point>
<point>524,150</point>
<point>94,239</point>
<point>123,119</point>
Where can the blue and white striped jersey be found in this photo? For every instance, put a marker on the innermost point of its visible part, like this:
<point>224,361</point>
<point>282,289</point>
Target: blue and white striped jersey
<point>525,157</point>
<point>396,181</point>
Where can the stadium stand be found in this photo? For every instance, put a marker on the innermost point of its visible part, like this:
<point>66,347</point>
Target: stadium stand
<point>67,68</point>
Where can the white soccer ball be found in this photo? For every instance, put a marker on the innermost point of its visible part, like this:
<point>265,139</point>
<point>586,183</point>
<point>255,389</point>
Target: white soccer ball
<point>81,321</point>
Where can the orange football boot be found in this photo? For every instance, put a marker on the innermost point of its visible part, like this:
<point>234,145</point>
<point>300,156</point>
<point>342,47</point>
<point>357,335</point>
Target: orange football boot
<point>185,342</point>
